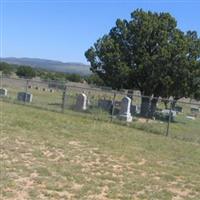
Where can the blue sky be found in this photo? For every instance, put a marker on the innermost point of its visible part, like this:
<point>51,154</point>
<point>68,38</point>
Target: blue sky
<point>64,30</point>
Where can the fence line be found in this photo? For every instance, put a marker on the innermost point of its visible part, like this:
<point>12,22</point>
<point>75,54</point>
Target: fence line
<point>107,105</point>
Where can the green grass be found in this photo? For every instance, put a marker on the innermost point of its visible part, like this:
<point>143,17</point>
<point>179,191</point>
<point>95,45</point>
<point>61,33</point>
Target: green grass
<point>48,155</point>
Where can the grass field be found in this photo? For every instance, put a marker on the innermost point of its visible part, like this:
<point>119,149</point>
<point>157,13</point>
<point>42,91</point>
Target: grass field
<point>48,155</point>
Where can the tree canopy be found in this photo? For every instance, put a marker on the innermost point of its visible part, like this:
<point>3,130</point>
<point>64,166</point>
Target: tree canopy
<point>6,68</point>
<point>26,71</point>
<point>150,53</point>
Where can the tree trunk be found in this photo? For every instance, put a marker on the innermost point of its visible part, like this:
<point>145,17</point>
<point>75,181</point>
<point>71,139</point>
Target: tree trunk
<point>165,103</point>
<point>148,107</point>
<point>153,107</point>
<point>145,105</point>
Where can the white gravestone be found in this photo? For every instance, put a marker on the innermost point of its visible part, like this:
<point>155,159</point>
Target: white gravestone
<point>81,102</point>
<point>166,113</point>
<point>125,109</point>
<point>23,96</point>
<point>3,92</point>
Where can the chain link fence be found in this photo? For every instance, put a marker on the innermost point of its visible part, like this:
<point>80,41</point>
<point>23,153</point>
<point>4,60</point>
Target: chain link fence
<point>178,119</point>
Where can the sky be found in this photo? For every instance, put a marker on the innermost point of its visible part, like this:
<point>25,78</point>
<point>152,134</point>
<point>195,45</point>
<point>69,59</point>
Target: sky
<point>63,30</point>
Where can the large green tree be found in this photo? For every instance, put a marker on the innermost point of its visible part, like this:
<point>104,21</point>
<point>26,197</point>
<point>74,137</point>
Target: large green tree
<point>148,53</point>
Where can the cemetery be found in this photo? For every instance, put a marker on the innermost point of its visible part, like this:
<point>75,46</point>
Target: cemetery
<point>103,105</point>
<point>121,124</point>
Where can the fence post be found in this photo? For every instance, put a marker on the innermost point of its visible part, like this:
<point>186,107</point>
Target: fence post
<point>26,90</point>
<point>1,78</point>
<point>169,118</point>
<point>113,106</point>
<point>63,99</point>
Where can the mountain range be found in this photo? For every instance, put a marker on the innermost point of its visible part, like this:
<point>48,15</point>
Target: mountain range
<point>52,65</point>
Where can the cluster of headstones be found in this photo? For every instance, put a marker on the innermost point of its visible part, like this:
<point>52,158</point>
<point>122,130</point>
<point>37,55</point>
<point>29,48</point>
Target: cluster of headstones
<point>82,102</point>
<point>125,106</point>
<point>107,104</point>
<point>42,89</point>
<point>194,112</point>
<point>21,96</point>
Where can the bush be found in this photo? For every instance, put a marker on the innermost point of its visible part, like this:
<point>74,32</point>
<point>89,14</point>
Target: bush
<point>26,71</point>
<point>6,68</point>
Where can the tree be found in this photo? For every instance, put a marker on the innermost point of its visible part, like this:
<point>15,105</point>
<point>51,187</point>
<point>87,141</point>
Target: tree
<point>94,79</point>
<point>148,53</point>
<point>6,68</point>
<point>74,77</point>
<point>26,71</point>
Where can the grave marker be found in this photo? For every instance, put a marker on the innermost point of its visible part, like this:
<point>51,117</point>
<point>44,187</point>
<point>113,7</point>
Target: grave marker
<point>81,102</point>
<point>26,97</point>
<point>3,92</point>
<point>125,109</point>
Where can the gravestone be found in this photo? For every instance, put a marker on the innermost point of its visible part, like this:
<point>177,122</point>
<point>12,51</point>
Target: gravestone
<point>105,104</point>
<point>117,107</point>
<point>51,90</point>
<point>166,114</point>
<point>134,109</point>
<point>3,92</point>
<point>195,110</point>
<point>44,89</point>
<point>81,102</point>
<point>167,111</point>
<point>26,97</point>
<point>178,109</point>
<point>125,109</point>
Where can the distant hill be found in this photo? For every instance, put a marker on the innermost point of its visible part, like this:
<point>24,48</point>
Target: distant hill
<point>52,65</point>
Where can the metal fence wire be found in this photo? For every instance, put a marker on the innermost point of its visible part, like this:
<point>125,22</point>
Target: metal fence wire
<point>156,115</point>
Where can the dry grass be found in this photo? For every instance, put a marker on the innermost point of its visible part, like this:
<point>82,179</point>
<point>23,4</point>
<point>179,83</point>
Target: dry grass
<point>46,155</point>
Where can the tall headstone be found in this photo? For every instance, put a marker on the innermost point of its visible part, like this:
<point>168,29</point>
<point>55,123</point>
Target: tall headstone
<point>26,97</point>
<point>3,92</point>
<point>81,102</point>
<point>125,109</point>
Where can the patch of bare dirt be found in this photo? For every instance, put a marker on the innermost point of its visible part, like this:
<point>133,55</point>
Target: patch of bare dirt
<point>179,192</point>
<point>142,162</point>
<point>144,120</point>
